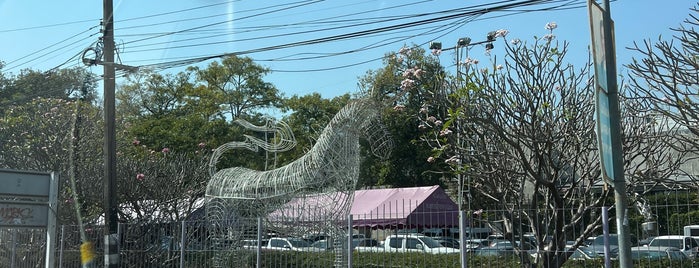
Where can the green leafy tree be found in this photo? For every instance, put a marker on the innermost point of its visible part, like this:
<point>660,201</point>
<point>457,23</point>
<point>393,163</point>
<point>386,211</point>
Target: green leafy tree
<point>240,84</point>
<point>167,111</point>
<point>307,116</point>
<point>60,84</point>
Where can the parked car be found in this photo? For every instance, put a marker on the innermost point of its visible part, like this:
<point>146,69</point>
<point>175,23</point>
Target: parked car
<point>252,244</point>
<point>583,253</point>
<point>686,244</point>
<point>447,241</point>
<point>410,243</point>
<point>288,243</point>
<point>327,244</point>
<point>657,253</point>
<point>597,245</point>
<point>477,243</point>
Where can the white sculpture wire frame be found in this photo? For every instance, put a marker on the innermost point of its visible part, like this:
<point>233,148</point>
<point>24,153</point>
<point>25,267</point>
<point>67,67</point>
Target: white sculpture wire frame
<point>312,194</point>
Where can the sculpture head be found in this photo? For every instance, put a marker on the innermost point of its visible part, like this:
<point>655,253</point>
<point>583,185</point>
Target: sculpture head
<point>374,131</point>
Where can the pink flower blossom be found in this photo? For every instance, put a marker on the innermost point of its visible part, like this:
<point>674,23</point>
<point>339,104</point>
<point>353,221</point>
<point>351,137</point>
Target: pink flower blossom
<point>136,142</point>
<point>501,33</point>
<point>140,176</point>
<point>202,145</point>
<point>515,41</point>
<point>436,52</point>
<point>551,25</point>
<point>407,84</point>
<point>399,108</point>
<point>445,132</point>
<point>404,51</point>
<point>418,72</point>
<point>431,119</point>
<point>469,61</point>
<point>438,123</point>
<point>499,67</point>
<point>430,159</point>
<point>165,150</point>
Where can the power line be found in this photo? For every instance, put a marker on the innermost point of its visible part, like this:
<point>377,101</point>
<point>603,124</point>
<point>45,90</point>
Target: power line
<point>45,53</point>
<point>303,3</point>
<point>166,65</point>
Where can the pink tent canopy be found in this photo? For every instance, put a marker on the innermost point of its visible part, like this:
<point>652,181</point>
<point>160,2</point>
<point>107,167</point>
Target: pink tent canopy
<point>414,207</point>
<point>424,207</point>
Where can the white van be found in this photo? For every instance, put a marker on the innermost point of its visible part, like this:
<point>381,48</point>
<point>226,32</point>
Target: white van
<point>692,230</point>
<point>687,244</point>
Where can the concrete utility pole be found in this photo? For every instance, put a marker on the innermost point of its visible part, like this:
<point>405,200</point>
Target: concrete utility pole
<point>111,239</point>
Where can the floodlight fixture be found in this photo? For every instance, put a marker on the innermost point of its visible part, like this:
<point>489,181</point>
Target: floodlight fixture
<point>462,42</point>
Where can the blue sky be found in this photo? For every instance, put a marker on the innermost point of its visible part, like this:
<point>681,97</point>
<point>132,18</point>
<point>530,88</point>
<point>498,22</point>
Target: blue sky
<point>311,46</point>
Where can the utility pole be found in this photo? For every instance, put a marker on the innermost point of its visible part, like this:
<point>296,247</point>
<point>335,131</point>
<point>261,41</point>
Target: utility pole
<point>111,239</point>
<point>608,119</point>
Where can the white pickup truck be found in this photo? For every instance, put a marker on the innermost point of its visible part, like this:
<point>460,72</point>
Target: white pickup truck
<point>410,243</point>
<point>288,243</point>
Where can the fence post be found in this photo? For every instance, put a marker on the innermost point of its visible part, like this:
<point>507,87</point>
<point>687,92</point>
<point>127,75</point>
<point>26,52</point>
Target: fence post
<point>182,243</point>
<point>463,251</point>
<point>258,249</point>
<point>349,240</point>
<point>60,248</point>
<point>14,248</point>
<point>605,233</point>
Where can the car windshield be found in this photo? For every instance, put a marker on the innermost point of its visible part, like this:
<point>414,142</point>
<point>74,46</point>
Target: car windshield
<point>320,244</point>
<point>613,240</point>
<point>431,243</point>
<point>298,243</point>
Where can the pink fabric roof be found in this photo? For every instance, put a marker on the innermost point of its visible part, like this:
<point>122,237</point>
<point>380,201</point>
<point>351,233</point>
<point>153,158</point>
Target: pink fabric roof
<point>414,206</point>
<point>410,207</point>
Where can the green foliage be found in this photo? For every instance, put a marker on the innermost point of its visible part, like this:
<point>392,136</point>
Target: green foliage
<point>58,84</point>
<point>679,220</point>
<point>307,116</point>
<point>241,85</point>
<point>409,164</point>
<point>37,136</point>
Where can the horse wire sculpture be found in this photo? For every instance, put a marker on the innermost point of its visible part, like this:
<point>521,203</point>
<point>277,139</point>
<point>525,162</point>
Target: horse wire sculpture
<point>329,172</point>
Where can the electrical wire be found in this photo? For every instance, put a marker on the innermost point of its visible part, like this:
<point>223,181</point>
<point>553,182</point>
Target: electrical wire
<point>9,65</point>
<point>355,19</point>
<point>350,35</point>
<point>303,3</point>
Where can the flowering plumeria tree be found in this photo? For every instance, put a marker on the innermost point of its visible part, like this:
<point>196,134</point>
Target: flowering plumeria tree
<point>664,73</point>
<point>519,135</point>
<point>161,186</point>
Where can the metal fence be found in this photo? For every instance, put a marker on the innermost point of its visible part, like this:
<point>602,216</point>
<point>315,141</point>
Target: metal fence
<point>190,243</point>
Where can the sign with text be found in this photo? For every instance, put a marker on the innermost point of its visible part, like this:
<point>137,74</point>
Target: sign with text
<point>24,183</point>
<point>23,214</point>
<point>25,198</point>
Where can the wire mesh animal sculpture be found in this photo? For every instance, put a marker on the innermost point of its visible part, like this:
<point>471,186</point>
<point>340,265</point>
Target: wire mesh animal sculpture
<point>321,182</point>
